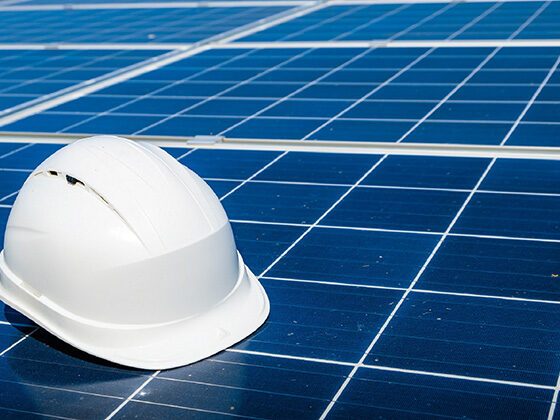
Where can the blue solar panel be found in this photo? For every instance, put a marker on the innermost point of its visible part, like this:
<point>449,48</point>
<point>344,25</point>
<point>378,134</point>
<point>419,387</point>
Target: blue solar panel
<point>107,4</point>
<point>477,320</point>
<point>438,95</point>
<point>435,393</point>
<point>417,21</point>
<point>126,25</point>
<point>400,286</point>
<point>28,74</point>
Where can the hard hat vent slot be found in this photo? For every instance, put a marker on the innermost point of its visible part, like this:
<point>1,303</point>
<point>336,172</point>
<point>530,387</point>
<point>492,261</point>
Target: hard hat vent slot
<point>73,181</point>
<point>53,173</point>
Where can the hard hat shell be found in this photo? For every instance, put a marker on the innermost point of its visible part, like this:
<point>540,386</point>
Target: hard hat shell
<point>121,251</point>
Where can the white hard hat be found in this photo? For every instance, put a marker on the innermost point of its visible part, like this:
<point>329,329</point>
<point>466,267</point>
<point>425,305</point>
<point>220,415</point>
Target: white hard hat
<point>116,248</point>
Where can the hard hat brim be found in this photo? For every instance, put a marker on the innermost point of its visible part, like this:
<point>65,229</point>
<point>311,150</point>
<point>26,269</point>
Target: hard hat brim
<point>152,346</point>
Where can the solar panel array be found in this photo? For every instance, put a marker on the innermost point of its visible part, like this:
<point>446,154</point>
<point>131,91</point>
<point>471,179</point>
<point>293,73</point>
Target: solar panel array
<point>420,21</point>
<point>450,95</point>
<point>126,25</point>
<point>26,75</point>
<point>400,285</point>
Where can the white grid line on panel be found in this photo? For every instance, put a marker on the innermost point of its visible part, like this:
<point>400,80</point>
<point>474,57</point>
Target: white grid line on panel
<point>131,396</point>
<point>424,291</point>
<point>554,400</point>
<point>371,229</point>
<point>7,349</point>
<point>392,369</point>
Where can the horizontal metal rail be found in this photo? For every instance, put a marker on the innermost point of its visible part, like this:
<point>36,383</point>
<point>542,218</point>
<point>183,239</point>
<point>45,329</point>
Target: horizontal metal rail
<point>346,147</point>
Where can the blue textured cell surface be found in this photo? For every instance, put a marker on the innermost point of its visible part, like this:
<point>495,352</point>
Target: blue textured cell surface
<point>26,75</point>
<point>392,262</point>
<point>419,21</point>
<point>422,283</point>
<point>74,3</point>
<point>130,24</point>
<point>410,95</point>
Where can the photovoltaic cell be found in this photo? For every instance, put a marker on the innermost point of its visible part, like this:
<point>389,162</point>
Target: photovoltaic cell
<point>381,392</point>
<point>421,21</point>
<point>400,286</point>
<point>28,74</point>
<point>91,2</point>
<point>184,25</point>
<point>482,310</point>
<point>439,95</point>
